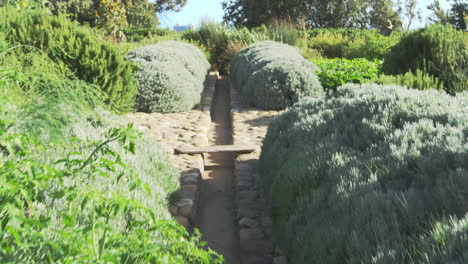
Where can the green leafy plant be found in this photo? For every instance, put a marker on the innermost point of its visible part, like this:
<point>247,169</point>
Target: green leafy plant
<point>77,183</point>
<point>336,72</point>
<point>440,51</point>
<point>86,200</point>
<point>138,34</point>
<point>420,80</point>
<point>74,47</point>
<point>352,43</point>
<point>223,42</point>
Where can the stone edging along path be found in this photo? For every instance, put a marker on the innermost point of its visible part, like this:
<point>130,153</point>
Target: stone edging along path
<point>192,128</point>
<point>255,226</point>
<point>175,130</point>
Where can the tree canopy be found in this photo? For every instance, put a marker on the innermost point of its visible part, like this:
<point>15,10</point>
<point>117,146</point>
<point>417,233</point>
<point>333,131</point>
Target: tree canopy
<point>457,15</point>
<point>312,13</point>
<point>130,13</point>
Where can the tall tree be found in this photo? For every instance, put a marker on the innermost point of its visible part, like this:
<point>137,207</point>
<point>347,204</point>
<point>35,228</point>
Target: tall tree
<point>457,15</point>
<point>410,11</point>
<point>438,14</point>
<point>137,13</point>
<point>140,13</point>
<point>169,5</point>
<point>315,13</point>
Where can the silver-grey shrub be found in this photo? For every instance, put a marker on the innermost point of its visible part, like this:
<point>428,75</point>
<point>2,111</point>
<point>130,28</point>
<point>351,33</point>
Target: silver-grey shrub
<point>373,174</point>
<point>272,75</point>
<point>171,76</point>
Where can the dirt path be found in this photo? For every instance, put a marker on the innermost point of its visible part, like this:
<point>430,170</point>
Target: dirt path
<point>217,213</point>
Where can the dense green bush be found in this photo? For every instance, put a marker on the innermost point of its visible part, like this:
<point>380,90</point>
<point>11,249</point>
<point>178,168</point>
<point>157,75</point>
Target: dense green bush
<point>420,80</point>
<point>171,76</point>
<point>439,50</point>
<point>223,42</point>
<point>79,185</point>
<point>88,199</point>
<point>352,43</point>
<point>137,34</point>
<point>336,72</point>
<point>134,13</point>
<point>273,75</point>
<point>87,57</point>
<point>374,174</point>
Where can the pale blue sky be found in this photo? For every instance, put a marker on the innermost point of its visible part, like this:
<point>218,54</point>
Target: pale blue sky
<point>196,10</point>
<point>193,12</point>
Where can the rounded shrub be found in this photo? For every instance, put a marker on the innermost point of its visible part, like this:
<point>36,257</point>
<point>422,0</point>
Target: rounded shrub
<point>277,86</point>
<point>441,51</point>
<point>276,70</point>
<point>171,76</point>
<point>373,174</point>
<point>84,54</point>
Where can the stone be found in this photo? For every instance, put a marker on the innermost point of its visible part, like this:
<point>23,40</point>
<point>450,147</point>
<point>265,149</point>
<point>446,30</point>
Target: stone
<point>280,260</point>
<point>258,260</point>
<point>246,234</point>
<point>243,166</point>
<point>246,195</point>
<point>258,246</point>
<point>244,185</point>
<point>182,194</point>
<point>246,222</point>
<point>183,221</point>
<point>190,178</point>
<point>278,251</point>
<point>247,212</point>
<point>267,221</point>
<point>190,187</point>
<point>200,140</point>
<point>173,209</point>
<point>185,207</point>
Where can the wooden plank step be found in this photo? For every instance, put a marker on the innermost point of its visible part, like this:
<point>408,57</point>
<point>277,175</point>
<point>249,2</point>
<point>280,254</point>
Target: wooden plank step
<point>215,149</point>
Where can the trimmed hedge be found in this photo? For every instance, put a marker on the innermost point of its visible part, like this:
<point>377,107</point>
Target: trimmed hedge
<point>87,57</point>
<point>272,75</point>
<point>171,76</point>
<point>441,51</point>
<point>374,174</point>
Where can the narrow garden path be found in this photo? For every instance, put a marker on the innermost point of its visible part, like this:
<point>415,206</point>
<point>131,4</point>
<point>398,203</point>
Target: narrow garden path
<point>217,213</point>
<point>219,192</point>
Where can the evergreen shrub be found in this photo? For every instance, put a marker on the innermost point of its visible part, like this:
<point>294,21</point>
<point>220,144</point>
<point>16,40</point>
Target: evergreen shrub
<point>77,183</point>
<point>84,54</point>
<point>223,41</point>
<point>439,50</point>
<point>137,34</point>
<point>99,196</point>
<point>372,174</point>
<point>419,80</point>
<point>352,43</point>
<point>171,76</point>
<point>273,75</point>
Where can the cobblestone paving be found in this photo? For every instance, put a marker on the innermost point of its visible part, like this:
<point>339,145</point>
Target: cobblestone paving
<point>173,130</point>
<point>255,228</point>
